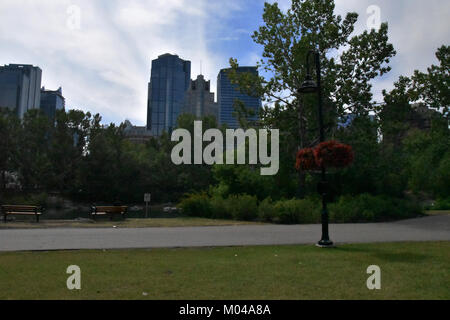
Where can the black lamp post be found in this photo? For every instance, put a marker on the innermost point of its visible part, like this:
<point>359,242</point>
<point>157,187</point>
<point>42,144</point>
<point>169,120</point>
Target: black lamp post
<point>309,86</point>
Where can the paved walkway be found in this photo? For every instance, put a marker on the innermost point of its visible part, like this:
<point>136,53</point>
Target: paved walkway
<point>434,228</point>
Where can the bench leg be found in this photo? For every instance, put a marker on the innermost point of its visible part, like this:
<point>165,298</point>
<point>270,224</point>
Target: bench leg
<point>4,217</point>
<point>37,218</point>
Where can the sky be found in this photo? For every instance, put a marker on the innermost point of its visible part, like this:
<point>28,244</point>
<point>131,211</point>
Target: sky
<point>100,52</point>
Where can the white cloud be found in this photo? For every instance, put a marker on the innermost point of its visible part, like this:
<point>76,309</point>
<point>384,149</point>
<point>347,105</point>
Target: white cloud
<point>105,65</point>
<point>416,29</point>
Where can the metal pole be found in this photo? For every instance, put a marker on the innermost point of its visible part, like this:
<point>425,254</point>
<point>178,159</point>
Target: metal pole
<point>325,241</point>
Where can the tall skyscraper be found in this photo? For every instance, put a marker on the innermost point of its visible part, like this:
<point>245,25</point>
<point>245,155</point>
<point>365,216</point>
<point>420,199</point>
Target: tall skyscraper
<point>52,101</point>
<point>227,93</point>
<point>199,100</point>
<point>20,88</point>
<point>170,78</point>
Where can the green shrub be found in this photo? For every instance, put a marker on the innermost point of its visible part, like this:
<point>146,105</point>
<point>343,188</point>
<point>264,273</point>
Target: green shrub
<point>266,210</point>
<point>39,199</point>
<point>219,190</point>
<point>219,208</point>
<point>243,207</point>
<point>196,205</point>
<point>297,211</point>
<point>367,208</point>
<point>441,204</point>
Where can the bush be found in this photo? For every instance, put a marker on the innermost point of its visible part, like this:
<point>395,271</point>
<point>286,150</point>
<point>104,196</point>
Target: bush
<point>296,211</point>
<point>266,210</point>
<point>367,208</point>
<point>38,199</point>
<point>196,205</point>
<point>442,181</point>
<point>219,208</point>
<point>243,207</point>
<point>441,204</point>
<point>360,208</point>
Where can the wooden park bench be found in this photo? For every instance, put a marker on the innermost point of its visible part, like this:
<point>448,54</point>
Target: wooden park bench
<point>21,210</point>
<point>108,210</point>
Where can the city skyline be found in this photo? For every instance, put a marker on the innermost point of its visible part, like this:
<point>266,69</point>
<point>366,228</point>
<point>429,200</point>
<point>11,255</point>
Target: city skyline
<point>103,66</point>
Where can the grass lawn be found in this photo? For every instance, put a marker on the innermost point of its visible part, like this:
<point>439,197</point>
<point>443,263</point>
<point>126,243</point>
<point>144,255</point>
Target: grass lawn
<point>408,271</point>
<point>128,223</point>
<point>437,212</point>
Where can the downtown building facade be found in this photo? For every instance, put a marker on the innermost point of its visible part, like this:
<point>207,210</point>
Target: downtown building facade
<point>20,88</point>
<point>199,100</point>
<point>52,100</point>
<point>169,81</point>
<point>228,93</point>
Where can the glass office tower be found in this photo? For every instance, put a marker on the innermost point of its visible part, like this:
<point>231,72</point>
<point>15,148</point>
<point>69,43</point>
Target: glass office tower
<point>52,101</point>
<point>170,78</point>
<point>20,88</point>
<point>227,93</point>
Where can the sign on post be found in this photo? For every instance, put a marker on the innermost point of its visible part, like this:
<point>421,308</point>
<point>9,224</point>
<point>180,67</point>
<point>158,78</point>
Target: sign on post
<point>147,200</point>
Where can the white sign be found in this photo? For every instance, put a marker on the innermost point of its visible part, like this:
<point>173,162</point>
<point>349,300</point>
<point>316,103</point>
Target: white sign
<point>147,197</point>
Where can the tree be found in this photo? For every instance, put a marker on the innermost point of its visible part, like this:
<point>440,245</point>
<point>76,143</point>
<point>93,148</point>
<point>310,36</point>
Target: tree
<point>9,135</point>
<point>69,141</point>
<point>102,175</point>
<point>415,154</point>
<point>287,38</point>
<point>433,87</point>
<point>33,163</point>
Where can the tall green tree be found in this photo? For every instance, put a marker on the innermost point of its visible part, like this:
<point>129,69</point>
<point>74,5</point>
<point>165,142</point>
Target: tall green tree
<point>433,87</point>
<point>349,64</point>
<point>418,156</point>
<point>33,146</point>
<point>9,138</point>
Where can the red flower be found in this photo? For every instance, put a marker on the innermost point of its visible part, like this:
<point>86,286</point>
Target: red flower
<point>333,154</point>
<point>329,154</point>
<point>306,160</point>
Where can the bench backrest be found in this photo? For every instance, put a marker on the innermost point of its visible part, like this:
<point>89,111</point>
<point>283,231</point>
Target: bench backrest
<point>111,209</point>
<point>19,208</point>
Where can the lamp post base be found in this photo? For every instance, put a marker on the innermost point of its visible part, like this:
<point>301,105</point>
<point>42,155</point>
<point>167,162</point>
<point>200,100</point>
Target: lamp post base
<point>325,244</point>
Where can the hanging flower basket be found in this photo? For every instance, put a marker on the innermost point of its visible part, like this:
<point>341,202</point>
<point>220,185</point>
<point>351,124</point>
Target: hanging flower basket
<point>330,154</point>
<point>306,160</point>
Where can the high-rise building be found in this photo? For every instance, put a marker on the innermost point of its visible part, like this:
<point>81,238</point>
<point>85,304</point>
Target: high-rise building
<point>227,93</point>
<point>20,88</point>
<point>52,101</point>
<point>170,78</point>
<point>199,100</point>
<point>136,134</point>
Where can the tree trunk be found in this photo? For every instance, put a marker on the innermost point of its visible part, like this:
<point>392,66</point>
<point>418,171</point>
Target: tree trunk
<point>3,179</point>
